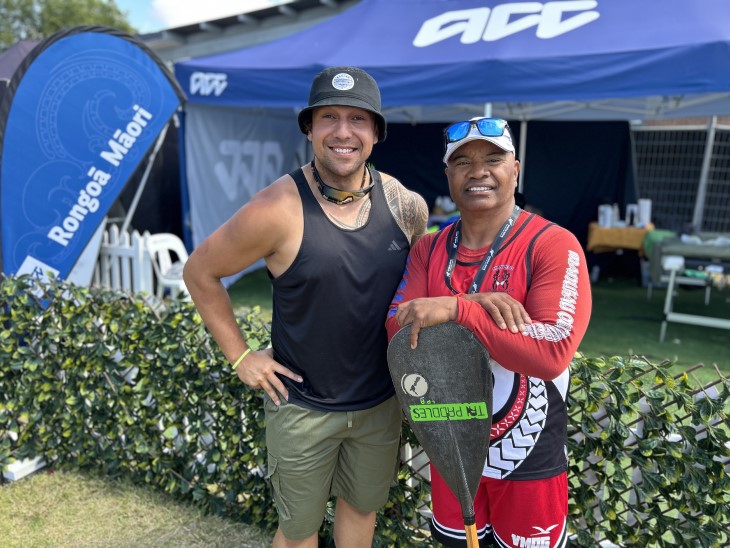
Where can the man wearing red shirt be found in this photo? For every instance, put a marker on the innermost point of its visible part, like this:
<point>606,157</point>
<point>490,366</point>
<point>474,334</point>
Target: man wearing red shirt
<point>498,256</point>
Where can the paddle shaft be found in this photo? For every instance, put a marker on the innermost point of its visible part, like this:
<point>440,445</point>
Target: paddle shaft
<point>472,541</point>
<point>467,510</point>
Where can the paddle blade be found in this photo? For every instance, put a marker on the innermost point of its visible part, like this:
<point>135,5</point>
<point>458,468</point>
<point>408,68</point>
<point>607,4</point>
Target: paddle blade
<point>445,389</point>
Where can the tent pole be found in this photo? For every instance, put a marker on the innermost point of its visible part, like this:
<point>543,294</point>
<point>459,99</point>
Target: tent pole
<point>143,182</point>
<point>704,175</point>
<point>523,155</point>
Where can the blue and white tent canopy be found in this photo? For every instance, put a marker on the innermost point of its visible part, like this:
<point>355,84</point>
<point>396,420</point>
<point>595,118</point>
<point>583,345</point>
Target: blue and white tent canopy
<point>439,60</point>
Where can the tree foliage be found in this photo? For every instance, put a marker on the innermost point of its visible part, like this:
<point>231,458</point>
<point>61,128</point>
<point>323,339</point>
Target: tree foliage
<point>39,19</point>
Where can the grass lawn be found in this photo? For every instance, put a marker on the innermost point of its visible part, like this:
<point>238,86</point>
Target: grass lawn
<point>72,509</point>
<point>253,289</point>
<point>625,322</point>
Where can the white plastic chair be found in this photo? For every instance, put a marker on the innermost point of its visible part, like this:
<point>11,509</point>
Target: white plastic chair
<point>168,259</point>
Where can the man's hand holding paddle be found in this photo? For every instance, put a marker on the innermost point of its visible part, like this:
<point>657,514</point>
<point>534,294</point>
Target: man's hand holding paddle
<point>506,312</point>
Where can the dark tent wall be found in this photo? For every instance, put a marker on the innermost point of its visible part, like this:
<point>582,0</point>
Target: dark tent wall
<point>412,154</point>
<point>570,169</point>
<point>573,167</point>
<point>160,206</point>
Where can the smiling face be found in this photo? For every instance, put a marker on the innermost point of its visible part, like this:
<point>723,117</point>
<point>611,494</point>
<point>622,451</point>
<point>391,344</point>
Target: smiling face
<point>342,140</point>
<point>483,177</point>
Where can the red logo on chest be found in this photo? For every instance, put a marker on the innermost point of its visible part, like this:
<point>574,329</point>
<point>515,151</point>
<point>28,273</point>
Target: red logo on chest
<point>500,277</point>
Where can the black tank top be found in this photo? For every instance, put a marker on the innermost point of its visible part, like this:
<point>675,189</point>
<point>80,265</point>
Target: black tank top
<point>329,306</point>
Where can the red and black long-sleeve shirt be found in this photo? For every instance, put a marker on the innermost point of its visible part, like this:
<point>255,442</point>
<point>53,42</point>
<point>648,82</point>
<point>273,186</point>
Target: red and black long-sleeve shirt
<point>543,266</point>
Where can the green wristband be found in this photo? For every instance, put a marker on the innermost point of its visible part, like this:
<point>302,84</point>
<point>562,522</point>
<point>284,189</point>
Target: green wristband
<point>240,358</point>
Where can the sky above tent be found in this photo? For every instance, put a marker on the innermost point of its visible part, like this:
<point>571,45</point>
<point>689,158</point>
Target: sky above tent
<point>157,15</point>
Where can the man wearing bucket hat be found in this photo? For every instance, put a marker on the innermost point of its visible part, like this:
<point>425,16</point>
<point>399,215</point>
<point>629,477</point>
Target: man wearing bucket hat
<point>498,251</point>
<point>334,235</point>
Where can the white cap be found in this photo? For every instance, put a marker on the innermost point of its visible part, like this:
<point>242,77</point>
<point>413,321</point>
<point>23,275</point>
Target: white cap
<point>504,141</point>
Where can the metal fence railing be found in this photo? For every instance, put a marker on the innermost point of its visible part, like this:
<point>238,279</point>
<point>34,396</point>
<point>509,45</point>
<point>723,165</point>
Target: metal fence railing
<point>685,171</point>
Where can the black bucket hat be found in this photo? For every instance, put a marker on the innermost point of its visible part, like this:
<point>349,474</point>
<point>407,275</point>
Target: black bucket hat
<point>344,86</point>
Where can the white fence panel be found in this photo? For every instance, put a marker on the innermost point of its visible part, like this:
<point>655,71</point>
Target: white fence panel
<point>124,262</point>
<point>150,263</point>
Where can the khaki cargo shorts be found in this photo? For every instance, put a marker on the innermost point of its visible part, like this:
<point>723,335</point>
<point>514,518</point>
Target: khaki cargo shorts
<point>313,455</point>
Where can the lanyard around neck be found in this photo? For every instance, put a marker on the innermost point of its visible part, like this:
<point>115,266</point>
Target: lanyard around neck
<point>453,248</point>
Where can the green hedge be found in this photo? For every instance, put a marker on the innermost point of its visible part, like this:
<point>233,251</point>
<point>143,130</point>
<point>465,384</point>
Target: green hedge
<point>115,383</point>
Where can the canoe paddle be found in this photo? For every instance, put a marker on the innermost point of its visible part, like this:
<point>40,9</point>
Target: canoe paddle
<point>445,389</point>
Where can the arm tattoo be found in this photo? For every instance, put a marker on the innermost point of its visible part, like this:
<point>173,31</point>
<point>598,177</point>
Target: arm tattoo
<point>408,208</point>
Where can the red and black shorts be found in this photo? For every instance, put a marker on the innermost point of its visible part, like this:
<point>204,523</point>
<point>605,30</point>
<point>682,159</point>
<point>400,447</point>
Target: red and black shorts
<point>508,512</point>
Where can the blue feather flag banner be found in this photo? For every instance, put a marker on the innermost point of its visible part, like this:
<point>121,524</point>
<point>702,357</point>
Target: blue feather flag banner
<point>80,114</point>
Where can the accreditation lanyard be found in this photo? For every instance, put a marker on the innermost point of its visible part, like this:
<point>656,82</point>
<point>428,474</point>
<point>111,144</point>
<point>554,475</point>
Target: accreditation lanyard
<point>482,272</point>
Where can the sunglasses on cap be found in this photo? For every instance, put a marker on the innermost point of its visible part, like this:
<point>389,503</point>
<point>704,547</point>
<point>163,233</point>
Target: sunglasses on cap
<point>488,127</point>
